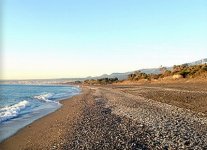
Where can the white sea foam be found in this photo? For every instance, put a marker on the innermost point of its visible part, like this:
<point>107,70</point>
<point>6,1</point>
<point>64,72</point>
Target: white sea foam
<point>9,112</point>
<point>44,97</point>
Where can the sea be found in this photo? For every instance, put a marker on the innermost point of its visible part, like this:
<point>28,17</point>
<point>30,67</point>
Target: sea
<point>20,105</point>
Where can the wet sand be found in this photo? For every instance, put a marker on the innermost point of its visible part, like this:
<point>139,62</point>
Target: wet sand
<point>150,116</point>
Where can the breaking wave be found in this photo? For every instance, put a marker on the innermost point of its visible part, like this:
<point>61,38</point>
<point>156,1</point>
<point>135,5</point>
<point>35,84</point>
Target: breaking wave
<point>44,97</point>
<point>9,112</point>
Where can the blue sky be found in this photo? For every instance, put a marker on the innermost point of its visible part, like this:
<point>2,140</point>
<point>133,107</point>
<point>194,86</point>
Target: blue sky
<point>65,38</point>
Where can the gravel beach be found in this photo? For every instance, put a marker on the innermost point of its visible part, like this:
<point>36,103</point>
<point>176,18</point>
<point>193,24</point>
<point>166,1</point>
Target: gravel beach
<point>133,117</point>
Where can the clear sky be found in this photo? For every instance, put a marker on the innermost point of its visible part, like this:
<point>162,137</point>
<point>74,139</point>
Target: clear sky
<point>78,38</point>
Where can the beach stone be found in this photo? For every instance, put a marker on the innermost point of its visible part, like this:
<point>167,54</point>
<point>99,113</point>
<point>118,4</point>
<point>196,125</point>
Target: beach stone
<point>118,120</point>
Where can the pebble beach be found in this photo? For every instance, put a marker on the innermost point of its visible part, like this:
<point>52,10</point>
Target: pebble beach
<point>122,117</point>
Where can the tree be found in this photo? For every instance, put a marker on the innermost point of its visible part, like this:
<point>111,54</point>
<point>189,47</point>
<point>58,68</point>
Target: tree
<point>162,69</point>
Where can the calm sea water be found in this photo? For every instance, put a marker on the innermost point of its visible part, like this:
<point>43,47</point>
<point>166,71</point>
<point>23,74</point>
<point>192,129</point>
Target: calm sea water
<point>20,105</point>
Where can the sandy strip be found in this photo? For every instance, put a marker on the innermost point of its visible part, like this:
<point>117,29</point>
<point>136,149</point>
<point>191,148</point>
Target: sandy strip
<point>49,131</point>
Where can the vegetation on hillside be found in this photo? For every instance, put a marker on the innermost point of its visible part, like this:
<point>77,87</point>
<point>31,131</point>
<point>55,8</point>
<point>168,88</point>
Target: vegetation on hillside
<point>178,71</point>
<point>183,71</point>
<point>101,81</point>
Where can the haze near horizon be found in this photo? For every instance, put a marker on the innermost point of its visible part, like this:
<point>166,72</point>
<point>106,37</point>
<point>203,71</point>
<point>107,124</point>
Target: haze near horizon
<point>63,39</point>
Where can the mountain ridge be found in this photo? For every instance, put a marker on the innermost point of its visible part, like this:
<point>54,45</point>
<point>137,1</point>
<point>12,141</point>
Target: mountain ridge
<point>124,75</point>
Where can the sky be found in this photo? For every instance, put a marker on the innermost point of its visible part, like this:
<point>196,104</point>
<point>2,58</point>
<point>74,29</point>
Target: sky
<point>78,38</point>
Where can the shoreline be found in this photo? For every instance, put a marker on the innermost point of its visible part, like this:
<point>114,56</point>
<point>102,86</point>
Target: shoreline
<point>26,136</point>
<point>10,127</point>
<point>160,116</point>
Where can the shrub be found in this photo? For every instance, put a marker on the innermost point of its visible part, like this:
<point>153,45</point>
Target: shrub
<point>204,68</point>
<point>101,81</point>
<point>167,73</point>
<point>184,73</point>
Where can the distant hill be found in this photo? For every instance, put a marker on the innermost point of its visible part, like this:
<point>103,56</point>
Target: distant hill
<point>202,61</point>
<point>122,76</point>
